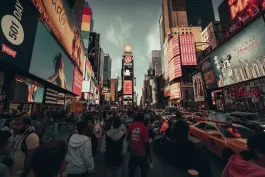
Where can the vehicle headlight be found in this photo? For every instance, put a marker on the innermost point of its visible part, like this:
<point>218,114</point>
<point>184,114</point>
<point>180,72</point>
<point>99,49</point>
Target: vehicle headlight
<point>263,125</point>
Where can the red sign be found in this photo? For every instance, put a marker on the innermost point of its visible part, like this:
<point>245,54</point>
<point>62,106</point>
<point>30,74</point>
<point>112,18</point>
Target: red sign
<point>127,59</point>
<point>127,87</point>
<point>187,48</point>
<point>175,45</point>
<point>77,82</point>
<point>241,11</point>
<point>9,51</point>
<point>241,93</point>
<point>175,91</point>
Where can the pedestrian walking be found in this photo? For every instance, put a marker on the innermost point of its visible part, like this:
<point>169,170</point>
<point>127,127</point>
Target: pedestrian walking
<point>114,149</point>
<point>140,154</point>
<point>79,158</point>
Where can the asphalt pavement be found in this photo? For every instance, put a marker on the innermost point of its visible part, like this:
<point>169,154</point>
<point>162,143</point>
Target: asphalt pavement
<point>160,168</point>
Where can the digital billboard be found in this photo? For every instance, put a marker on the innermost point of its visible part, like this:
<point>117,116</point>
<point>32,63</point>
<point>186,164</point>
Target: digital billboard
<point>187,48</point>
<point>127,87</point>
<point>175,91</point>
<point>235,13</point>
<point>208,74</point>
<point>18,27</point>
<point>86,85</point>
<point>86,19</point>
<point>61,22</point>
<point>128,60</point>
<point>27,90</point>
<point>198,87</point>
<point>77,82</point>
<point>49,61</point>
<point>242,57</point>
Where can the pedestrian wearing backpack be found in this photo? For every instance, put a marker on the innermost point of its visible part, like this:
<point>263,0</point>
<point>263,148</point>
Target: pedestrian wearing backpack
<point>26,144</point>
<point>114,150</point>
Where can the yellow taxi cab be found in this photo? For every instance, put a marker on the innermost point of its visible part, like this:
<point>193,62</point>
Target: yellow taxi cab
<point>222,139</point>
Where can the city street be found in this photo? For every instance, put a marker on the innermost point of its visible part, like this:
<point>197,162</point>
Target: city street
<point>160,168</point>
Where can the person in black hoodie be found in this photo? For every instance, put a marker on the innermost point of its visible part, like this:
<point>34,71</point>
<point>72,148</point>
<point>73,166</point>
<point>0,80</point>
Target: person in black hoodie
<point>114,149</point>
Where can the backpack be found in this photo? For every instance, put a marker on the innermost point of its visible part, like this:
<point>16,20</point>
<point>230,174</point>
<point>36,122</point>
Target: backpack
<point>113,154</point>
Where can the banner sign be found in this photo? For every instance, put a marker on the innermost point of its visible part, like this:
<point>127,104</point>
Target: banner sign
<point>236,13</point>
<point>242,57</point>
<point>58,17</point>
<point>198,87</point>
<point>127,87</point>
<point>208,74</point>
<point>175,91</point>
<point>187,48</point>
<point>77,82</point>
<point>19,21</point>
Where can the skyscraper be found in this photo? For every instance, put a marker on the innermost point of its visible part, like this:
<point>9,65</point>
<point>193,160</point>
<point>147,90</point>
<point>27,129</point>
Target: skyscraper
<point>174,14</point>
<point>200,12</point>
<point>162,39</point>
<point>155,62</point>
<point>107,71</point>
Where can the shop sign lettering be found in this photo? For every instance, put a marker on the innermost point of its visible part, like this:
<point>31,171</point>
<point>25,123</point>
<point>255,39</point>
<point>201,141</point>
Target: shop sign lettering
<point>241,92</point>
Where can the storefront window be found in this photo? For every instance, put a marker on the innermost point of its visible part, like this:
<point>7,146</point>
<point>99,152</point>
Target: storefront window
<point>246,97</point>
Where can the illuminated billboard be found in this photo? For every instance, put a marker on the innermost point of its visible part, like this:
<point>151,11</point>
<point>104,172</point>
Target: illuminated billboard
<point>128,48</point>
<point>198,87</point>
<point>175,91</point>
<point>235,13</point>
<point>187,48</point>
<point>127,87</point>
<point>86,19</point>
<point>128,60</point>
<point>60,21</point>
<point>242,57</point>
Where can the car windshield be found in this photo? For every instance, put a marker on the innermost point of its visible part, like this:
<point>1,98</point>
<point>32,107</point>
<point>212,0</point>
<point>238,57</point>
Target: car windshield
<point>255,117</point>
<point>231,131</point>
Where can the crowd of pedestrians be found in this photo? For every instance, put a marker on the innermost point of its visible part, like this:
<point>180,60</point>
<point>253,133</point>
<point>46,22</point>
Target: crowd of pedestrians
<point>29,146</point>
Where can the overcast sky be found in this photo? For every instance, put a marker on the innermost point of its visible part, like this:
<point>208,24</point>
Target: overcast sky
<point>133,22</point>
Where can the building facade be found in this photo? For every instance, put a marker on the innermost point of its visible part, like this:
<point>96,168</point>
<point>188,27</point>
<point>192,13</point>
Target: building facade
<point>114,90</point>
<point>174,14</point>
<point>107,71</point>
<point>155,62</point>
<point>200,12</point>
<point>212,35</point>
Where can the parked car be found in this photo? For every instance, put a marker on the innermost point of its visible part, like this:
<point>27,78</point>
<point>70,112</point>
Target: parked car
<point>222,139</point>
<point>251,120</point>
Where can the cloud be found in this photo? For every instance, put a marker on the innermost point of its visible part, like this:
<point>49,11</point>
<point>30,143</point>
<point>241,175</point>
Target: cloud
<point>153,39</point>
<point>118,32</point>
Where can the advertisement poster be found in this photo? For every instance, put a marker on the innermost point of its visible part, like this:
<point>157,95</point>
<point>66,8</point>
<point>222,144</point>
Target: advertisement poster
<point>208,74</point>
<point>242,57</point>
<point>236,13</point>
<point>175,45</point>
<point>198,87</point>
<point>27,90</point>
<point>49,62</point>
<point>18,27</point>
<point>167,91</point>
<point>89,70</point>
<point>86,85</point>
<point>59,18</point>
<point>175,91</point>
<point>128,60</point>
<point>127,87</point>
<point>77,82</point>
<point>187,48</point>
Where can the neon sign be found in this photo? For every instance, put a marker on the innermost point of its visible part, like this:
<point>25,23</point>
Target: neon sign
<point>241,92</point>
<point>237,6</point>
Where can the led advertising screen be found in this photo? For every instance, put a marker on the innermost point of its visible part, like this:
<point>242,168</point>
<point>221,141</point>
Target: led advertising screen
<point>198,87</point>
<point>175,68</point>
<point>89,70</point>
<point>19,21</point>
<point>49,61</point>
<point>86,85</point>
<point>128,60</point>
<point>27,90</point>
<point>242,57</point>
<point>208,74</point>
<point>127,87</point>
<point>235,13</point>
<point>175,91</point>
<point>187,48</point>
<point>86,19</point>
<point>77,82</point>
<point>61,22</point>
<point>167,91</point>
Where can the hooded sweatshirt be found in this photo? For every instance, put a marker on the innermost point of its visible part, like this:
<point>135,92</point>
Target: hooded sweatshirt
<point>79,157</point>
<point>238,167</point>
<point>115,134</point>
